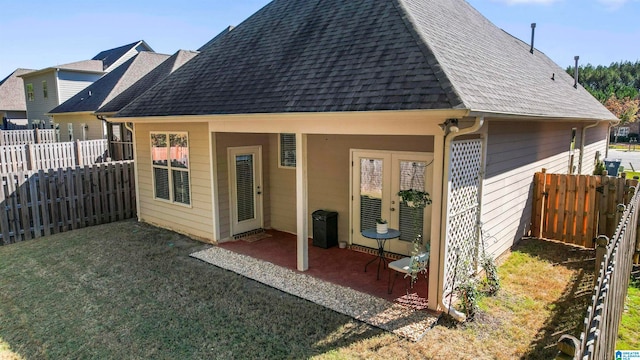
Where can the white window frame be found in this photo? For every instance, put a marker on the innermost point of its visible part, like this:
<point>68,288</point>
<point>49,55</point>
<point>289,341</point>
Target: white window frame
<point>280,159</point>
<point>31,96</point>
<point>45,89</point>
<point>170,168</point>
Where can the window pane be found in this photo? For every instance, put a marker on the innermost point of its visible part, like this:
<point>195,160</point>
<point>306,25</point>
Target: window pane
<point>370,192</point>
<point>179,151</point>
<point>288,150</point>
<point>161,177</point>
<point>159,149</point>
<point>181,186</point>
<point>412,176</point>
<point>244,187</point>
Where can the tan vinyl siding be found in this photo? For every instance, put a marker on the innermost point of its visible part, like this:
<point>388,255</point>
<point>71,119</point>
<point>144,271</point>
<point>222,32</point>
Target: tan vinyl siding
<point>595,142</point>
<point>195,220</point>
<point>94,131</point>
<point>329,169</point>
<point>224,141</point>
<point>515,152</point>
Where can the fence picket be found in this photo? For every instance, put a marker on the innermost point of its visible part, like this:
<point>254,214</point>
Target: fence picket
<point>36,206</point>
<point>24,205</point>
<point>4,219</point>
<point>53,204</point>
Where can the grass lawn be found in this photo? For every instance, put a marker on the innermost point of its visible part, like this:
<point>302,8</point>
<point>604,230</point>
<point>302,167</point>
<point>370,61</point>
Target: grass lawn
<point>129,290</point>
<point>629,332</point>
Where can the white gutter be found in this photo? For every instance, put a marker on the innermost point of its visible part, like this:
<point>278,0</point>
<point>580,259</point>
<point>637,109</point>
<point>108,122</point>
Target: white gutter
<point>448,308</point>
<point>582,140</point>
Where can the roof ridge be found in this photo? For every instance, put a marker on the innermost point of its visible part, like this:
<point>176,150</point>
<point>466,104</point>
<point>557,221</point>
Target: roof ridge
<point>430,56</point>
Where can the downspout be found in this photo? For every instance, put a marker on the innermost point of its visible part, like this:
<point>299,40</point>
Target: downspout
<point>449,137</point>
<point>582,140</point>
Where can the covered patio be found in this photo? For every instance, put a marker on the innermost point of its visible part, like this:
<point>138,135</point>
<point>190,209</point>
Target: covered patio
<point>344,267</point>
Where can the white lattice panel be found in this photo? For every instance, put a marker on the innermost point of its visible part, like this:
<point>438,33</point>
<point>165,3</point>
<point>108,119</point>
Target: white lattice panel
<point>462,206</point>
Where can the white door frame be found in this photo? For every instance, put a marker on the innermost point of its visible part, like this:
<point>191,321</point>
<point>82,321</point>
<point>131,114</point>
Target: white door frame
<point>258,222</point>
<point>389,198</point>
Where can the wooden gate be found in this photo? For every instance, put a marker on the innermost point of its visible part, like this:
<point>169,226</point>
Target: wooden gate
<point>575,209</point>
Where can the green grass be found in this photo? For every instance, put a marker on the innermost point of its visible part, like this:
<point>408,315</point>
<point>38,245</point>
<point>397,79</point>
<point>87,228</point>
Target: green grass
<point>629,331</point>
<point>625,147</point>
<point>129,290</point>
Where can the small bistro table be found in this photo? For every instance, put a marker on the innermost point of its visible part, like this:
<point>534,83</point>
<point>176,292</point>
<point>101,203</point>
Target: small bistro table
<point>381,239</point>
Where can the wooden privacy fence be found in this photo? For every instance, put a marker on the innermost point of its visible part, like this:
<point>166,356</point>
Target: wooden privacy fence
<point>575,209</point>
<point>40,203</point>
<point>52,155</point>
<point>614,261</point>
<point>23,137</point>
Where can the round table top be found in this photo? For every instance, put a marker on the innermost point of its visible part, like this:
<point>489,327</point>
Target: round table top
<point>373,234</point>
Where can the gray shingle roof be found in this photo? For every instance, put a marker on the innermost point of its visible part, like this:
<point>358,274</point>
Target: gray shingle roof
<point>108,57</point>
<point>112,84</point>
<point>345,55</point>
<point>147,81</point>
<point>12,96</point>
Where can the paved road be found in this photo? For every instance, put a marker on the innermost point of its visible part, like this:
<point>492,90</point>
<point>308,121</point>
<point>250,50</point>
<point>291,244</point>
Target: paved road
<point>627,157</point>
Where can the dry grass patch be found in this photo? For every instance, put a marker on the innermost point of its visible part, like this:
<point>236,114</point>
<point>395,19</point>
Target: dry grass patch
<point>545,292</point>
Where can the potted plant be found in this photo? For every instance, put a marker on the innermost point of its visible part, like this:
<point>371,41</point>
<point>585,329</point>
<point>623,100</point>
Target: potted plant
<point>417,199</point>
<point>382,227</point>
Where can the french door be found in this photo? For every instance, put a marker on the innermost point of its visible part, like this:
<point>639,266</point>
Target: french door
<point>245,188</point>
<point>377,176</point>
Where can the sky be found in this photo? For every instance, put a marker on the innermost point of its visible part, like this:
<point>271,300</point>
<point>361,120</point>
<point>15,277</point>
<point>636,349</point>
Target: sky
<point>37,34</point>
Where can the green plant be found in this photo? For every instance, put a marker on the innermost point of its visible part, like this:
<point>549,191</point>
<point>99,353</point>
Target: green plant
<point>492,281</point>
<point>381,221</point>
<point>469,294</point>
<point>415,198</point>
<point>600,168</point>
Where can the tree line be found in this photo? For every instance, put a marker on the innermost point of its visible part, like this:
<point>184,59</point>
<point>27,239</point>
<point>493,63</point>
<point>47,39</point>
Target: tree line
<point>617,86</point>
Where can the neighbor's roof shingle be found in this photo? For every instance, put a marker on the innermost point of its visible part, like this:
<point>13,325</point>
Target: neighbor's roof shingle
<point>147,81</point>
<point>108,57</point>
<point>12,96</point>
<point>341,55</point>
<point>112,84</point>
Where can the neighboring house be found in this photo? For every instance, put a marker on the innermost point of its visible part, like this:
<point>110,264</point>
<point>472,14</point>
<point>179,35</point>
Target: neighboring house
<point>76,116</point>
<point>121,136</point>
<point>115,57</point>
<point>13,107</point>
<point>338,105</point>
<point>49,87</point>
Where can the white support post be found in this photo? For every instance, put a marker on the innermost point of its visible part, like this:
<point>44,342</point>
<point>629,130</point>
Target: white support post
<point>437,225</point>
<point>301,203</point>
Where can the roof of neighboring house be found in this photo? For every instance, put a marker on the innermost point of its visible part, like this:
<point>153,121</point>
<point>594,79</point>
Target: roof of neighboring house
<point>12,92</point>
<point>88,66</point>
<point>338,55</point>
<point>147,81</point>
<point>108,57</point>
<point>112,84</point>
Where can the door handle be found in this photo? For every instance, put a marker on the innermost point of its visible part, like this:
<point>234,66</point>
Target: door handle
<point>258,191</point>
<point>393,209</point>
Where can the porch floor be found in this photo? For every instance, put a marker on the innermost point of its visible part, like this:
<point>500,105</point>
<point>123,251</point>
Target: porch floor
<point>325,283</point>
<point>343,267</point>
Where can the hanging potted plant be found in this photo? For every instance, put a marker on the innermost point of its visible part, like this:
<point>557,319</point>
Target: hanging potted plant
<point>417,199</point>
<point>382,227</point>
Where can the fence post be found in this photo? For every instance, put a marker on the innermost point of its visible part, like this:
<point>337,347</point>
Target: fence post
<point>601,249</point>
<point>37,136</point>
<point>32,156</point>
<point>568,348</point>
<point>1,138</point>
<point>619,211</point>
<point>79,161</point>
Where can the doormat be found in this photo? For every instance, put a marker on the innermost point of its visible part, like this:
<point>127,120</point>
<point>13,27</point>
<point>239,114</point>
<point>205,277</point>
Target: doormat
<point>255,237</point>
<point>371,251</point>
<point>401,319</point>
